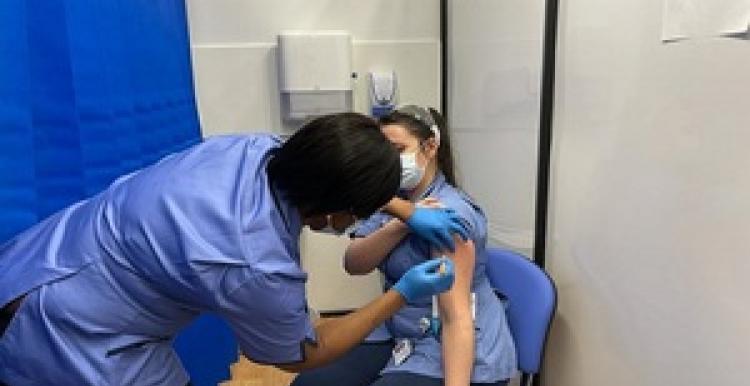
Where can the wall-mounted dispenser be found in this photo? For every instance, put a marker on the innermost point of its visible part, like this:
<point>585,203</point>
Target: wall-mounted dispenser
<point>315,73</point>
<point>382,93</point>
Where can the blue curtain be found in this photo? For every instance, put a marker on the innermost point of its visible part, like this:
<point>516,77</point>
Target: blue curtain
<point>91,90</point>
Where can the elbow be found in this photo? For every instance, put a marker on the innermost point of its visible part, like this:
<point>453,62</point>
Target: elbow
<point>296,368</point>
<point>315,356</point>
<point>351,267</point>
<point>291,368</point>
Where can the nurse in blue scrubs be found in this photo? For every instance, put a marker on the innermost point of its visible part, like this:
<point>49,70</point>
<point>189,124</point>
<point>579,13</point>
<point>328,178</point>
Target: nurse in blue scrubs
<point>458,338</point>
<point>94,294</point>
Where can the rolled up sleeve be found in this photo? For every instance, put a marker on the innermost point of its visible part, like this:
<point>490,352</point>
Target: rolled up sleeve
<point>268,313</point>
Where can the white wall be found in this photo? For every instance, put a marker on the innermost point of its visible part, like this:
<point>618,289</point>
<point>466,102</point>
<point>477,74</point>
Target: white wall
<point>234,53</point>
<point>649,234</point>
<point>494,83</point>
<point>234,64</point>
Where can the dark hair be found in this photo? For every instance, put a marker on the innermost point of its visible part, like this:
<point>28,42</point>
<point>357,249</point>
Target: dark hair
<point>418,121</point>
<point>337,162</point>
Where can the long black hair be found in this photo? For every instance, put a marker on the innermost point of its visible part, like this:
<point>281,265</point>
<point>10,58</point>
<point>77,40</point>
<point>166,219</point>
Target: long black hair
<point>337,162</point>
<point>419,122</point>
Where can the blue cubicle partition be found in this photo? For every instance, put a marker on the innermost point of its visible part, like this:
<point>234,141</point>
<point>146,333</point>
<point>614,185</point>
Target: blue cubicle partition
<point>90,90</point>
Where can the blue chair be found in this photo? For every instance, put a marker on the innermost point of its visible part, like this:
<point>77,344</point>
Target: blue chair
<point>531,303</point>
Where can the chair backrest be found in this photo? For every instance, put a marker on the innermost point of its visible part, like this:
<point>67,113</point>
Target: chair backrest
<point>532,300</point>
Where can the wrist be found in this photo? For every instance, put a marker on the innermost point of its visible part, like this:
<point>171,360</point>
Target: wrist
<point>396,296</point>
<point>399,208</point>
<point>404,291</point>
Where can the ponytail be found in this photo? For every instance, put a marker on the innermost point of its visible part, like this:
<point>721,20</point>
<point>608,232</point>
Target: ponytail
<point>444,152</point>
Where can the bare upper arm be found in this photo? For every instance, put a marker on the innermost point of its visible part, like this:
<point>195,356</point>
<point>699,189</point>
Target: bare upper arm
<point>456,301</point>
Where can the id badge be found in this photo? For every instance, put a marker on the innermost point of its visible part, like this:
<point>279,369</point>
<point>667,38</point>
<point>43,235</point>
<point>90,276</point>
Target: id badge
<point>402,351</point>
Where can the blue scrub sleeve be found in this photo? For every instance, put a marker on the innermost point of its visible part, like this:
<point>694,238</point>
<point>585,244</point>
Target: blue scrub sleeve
<point>371,224</point>
<point>268,313</point>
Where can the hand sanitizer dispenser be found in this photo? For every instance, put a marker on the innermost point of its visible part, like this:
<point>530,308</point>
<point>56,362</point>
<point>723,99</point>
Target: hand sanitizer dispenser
<point>382,93</point>
<point>315,73</point>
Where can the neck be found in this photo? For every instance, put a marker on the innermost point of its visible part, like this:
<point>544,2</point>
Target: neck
<point>429,175</point>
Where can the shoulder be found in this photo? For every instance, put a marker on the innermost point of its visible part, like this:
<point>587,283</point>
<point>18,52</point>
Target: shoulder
<point>230,144</point>
<point>212,200</point>
<point>218,164</point>
<point>259,138</point>
<point>458,200</point>
<point>465,207</point>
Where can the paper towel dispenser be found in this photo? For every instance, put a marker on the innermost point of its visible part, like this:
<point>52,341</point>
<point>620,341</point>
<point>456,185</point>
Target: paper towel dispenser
<point>315,73</point>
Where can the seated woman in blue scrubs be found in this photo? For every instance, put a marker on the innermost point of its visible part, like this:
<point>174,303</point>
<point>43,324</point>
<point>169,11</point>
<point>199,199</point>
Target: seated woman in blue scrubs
<point>469,342</point>
<point>94,294</point>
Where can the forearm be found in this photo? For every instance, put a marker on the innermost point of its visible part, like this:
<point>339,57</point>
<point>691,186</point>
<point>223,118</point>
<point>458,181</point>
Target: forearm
<point>337,336</point>
<point>458,350</point>
<point>364,254</point>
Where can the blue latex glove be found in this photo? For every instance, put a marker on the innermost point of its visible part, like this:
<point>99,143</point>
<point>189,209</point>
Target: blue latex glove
<point>424,280</point>
<point>437,225</point>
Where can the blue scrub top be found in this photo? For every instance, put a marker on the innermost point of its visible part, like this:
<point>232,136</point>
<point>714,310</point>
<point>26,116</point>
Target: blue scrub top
<point>110,280</point>
<point>495,354</point>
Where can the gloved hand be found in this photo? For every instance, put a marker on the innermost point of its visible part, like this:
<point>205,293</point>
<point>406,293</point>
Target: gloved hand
<point>437,225</point>
<point>425,279</point>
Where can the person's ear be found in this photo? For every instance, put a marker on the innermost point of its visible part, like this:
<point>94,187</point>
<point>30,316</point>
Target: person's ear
<point>430,147</point>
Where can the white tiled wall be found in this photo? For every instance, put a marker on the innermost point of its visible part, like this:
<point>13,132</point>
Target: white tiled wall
<point>236,80</point>
<point>234,53</point>
<point>237,84</point>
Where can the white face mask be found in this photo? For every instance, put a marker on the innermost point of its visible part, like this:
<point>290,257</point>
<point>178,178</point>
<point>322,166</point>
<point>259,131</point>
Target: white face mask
<point>411,172</point>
